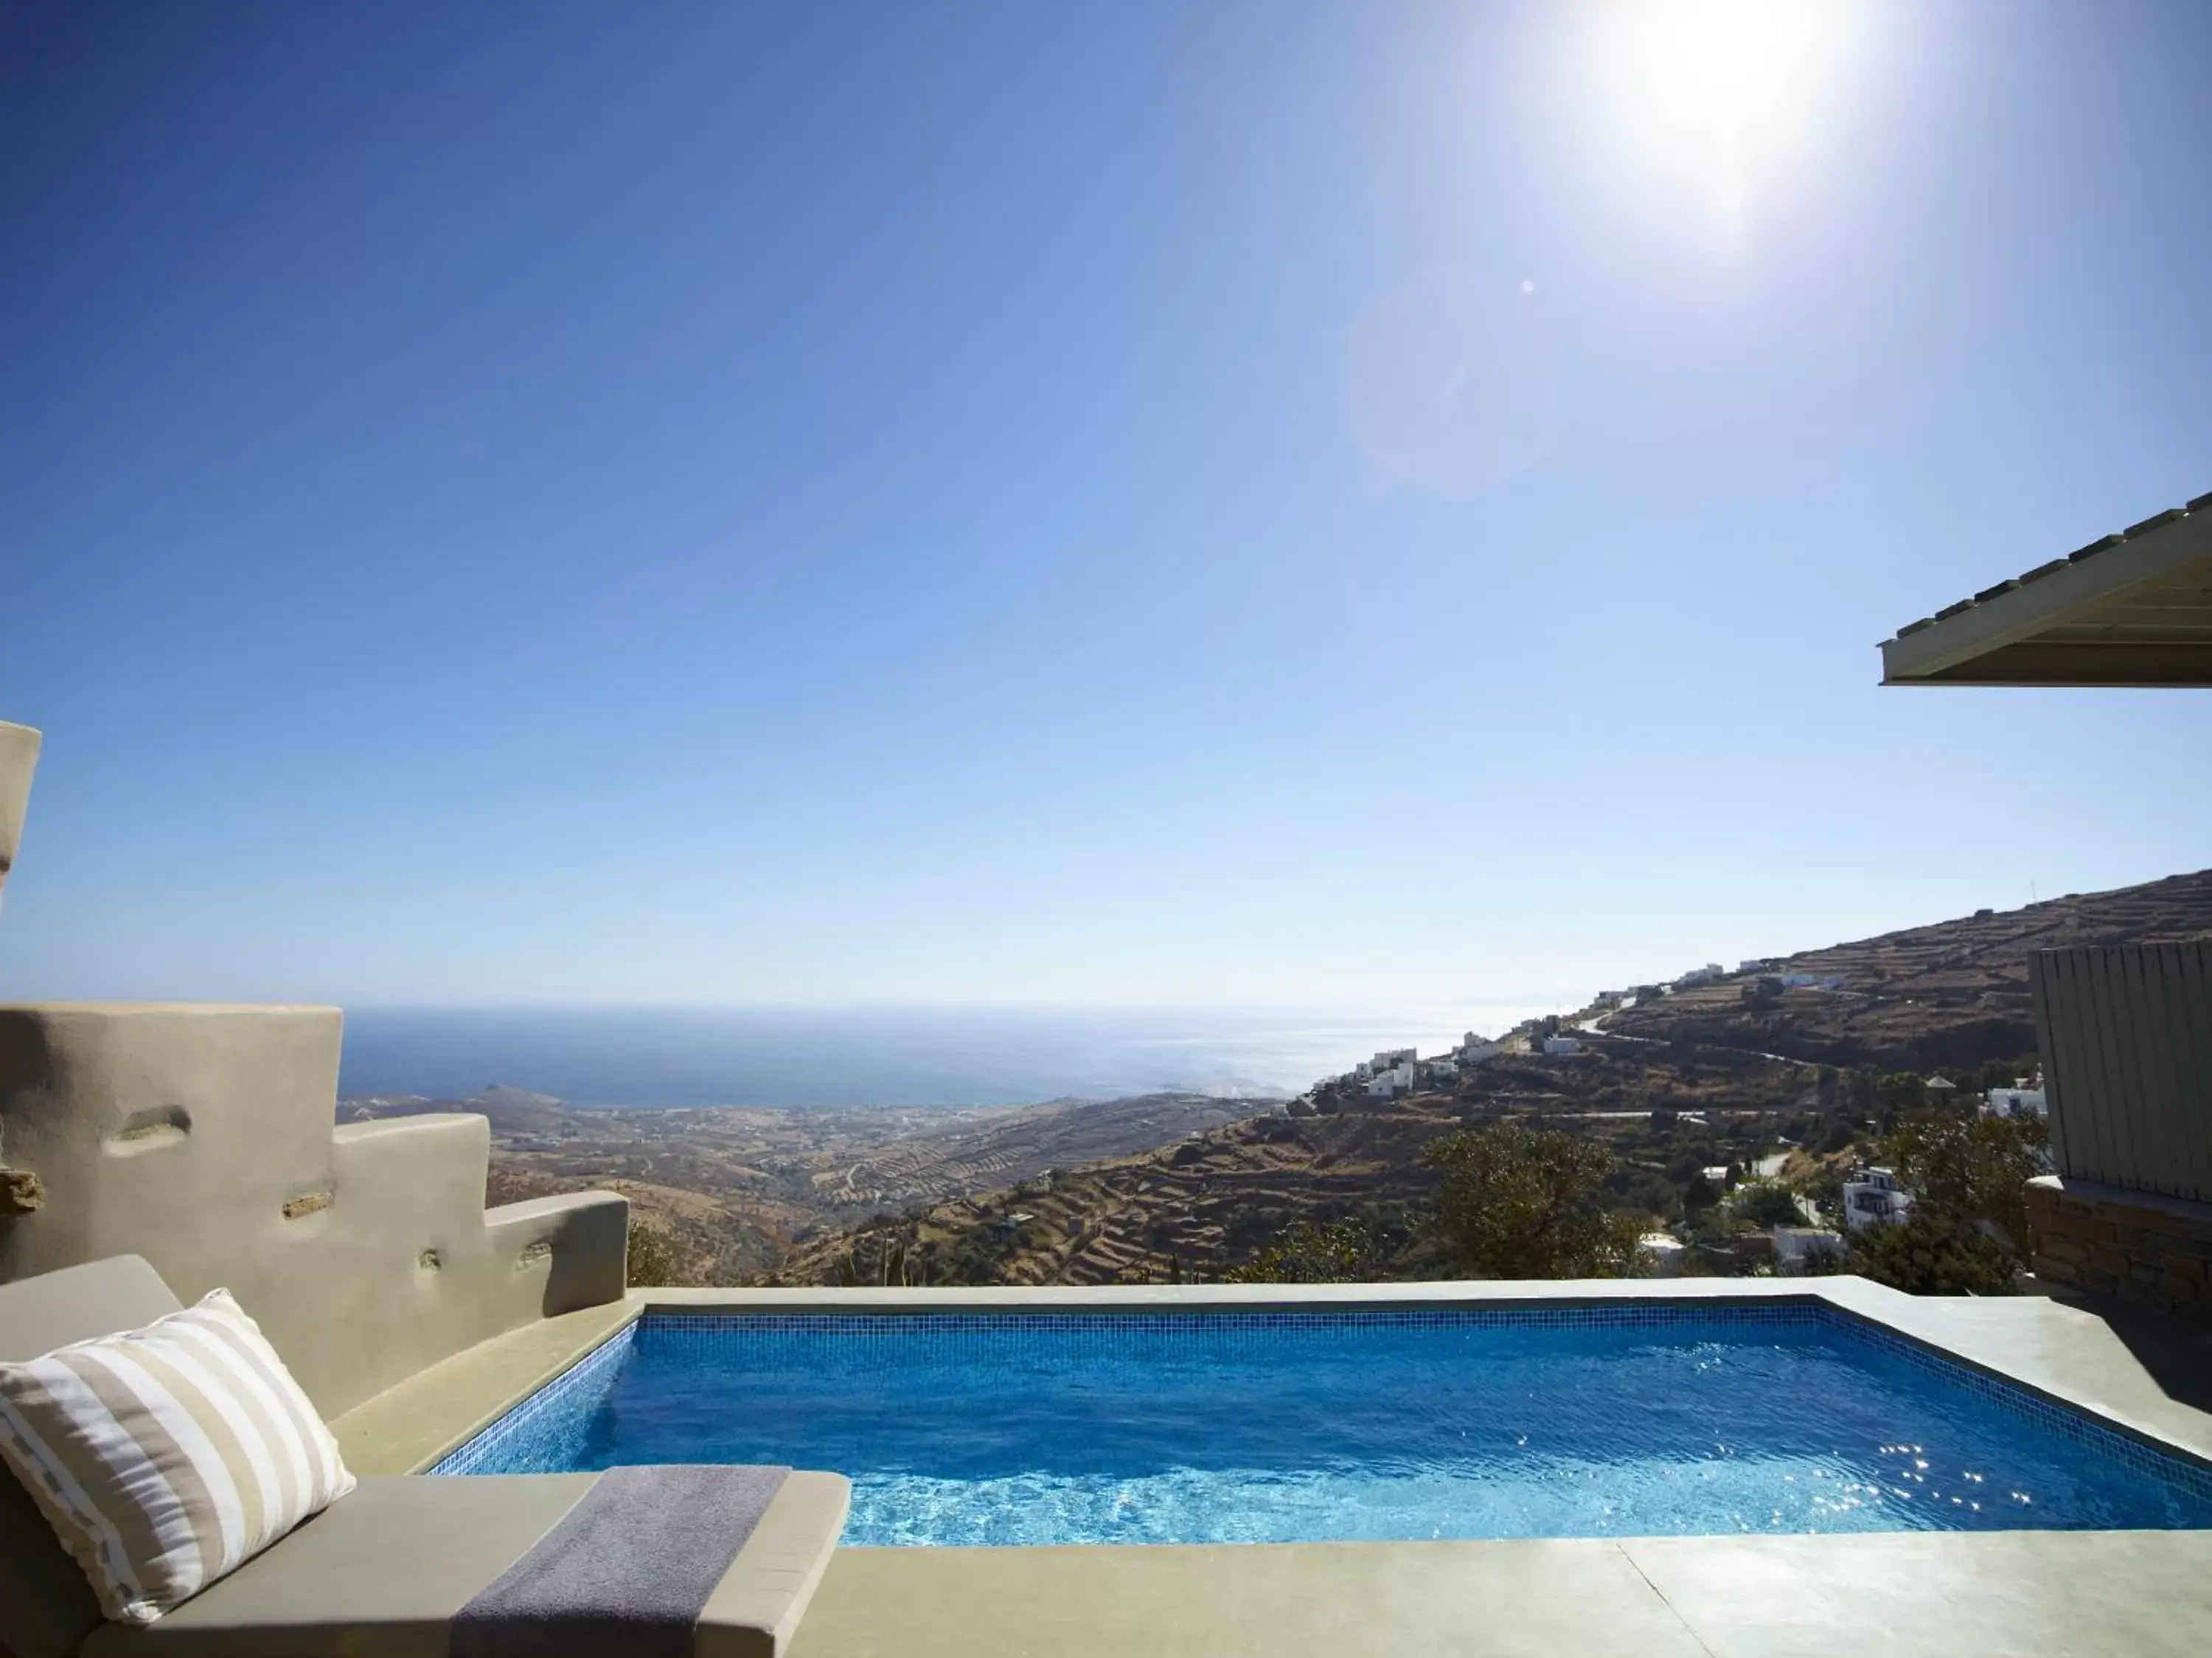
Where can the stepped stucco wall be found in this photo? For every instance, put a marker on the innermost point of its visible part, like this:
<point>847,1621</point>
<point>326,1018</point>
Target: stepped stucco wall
<point>205,1139</point>
<point>19,758</point>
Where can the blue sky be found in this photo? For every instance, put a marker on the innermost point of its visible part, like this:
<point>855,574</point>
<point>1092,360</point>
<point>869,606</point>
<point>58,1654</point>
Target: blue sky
<point>1348,504</point>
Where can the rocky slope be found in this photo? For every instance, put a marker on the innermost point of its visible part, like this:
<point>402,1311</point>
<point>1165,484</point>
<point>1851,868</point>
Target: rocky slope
<point>1952,994</point>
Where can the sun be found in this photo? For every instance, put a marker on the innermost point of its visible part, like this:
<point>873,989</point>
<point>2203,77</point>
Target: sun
<point>1726,93</point>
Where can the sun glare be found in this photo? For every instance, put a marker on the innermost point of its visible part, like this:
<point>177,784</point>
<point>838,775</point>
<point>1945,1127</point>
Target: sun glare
<point>1726,91</point>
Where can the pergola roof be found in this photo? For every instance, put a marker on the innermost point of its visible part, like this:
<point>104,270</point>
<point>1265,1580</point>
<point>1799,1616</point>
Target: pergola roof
<point>2133,609</point>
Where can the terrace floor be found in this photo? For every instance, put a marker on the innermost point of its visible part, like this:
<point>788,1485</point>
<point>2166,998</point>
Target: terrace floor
<point>1905,1593</point>
<point>2029,1593</point>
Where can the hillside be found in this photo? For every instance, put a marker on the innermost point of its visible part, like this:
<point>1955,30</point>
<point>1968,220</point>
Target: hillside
<point>1195,1209</point>
<point>1952,994</point>
<point>1734,1077</point>
<point>730,1191</point>
<point>1163,1185</point>
<point>1019,1144</point>
<point>706,1238</point>
<point>1190,1208</point>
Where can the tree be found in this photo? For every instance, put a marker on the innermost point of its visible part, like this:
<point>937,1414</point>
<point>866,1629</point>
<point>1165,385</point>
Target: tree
<point>1345,1252</point>
<point>651,1263</point>
<point>1766,1204</point>
<point>880,1260</point>
<point>1966,1174</point>
<point>1968,1168</point>
<point>1900,1091</point>
<point>1864,1095</point>
<point>1934,1254</point>
<point>1698,1194</point>
<point>1522,1204</point>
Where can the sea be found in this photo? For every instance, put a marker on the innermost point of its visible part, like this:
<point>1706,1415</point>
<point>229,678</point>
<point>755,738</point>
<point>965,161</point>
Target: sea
<point>823,1057</point>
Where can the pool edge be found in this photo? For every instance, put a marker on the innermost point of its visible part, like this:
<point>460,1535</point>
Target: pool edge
<point>2059,1354</point>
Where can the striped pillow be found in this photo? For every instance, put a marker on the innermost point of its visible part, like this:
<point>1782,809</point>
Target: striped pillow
<point>168,1456</point>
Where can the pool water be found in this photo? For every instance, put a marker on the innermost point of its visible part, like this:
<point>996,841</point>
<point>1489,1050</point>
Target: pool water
<point>1304,1427</point>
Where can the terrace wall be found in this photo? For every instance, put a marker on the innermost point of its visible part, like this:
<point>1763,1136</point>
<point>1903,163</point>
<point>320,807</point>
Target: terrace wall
<point>206,1139</point>
<point>2151,1251</point>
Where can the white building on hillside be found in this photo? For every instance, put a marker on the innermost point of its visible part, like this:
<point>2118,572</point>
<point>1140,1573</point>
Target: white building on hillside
<point>1875,1199</point>
<point>1556,1044</point>
<point>1704,975</point>
<point>1391,1058</point>
<point>1798,1249</point>
<point>2015,1102</point>
<point>1386,1084</point>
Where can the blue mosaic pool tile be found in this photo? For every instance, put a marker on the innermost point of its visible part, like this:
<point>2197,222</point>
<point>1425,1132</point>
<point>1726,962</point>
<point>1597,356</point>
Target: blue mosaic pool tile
<point>548,1420</point>
<point>910,1325</point>
<point>2174,1465</point>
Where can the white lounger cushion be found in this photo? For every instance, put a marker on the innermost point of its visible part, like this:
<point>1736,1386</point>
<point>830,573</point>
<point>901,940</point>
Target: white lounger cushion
<point>166,1457</point>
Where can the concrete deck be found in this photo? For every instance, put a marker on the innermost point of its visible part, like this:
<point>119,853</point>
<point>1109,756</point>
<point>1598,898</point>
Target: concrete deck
<point>2037,1593</point>
<point>406,1429</point>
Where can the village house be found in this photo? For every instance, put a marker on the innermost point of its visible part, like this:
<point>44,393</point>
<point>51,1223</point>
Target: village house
<point>1875,1199</point>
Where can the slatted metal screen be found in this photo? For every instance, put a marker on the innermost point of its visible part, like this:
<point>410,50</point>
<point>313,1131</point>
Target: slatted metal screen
<point>2126,1032</point>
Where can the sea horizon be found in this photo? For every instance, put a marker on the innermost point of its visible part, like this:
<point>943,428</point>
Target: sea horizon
<point>889,1057</point>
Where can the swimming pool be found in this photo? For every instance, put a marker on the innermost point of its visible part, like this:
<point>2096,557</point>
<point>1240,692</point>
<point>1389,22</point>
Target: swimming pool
<point>1041,1428</point>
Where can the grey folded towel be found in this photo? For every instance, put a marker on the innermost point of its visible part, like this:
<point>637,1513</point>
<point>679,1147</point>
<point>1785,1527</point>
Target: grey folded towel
<point>627,1570</point>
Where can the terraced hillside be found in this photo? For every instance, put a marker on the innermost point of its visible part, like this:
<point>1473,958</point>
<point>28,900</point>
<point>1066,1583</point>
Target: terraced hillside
<point>728,1192</point>
<point>1952,994</point>
<point>1188,1209</point>
<point>1747,1066</point>
<point>705,1238</point>
<point>1198,1208</point>
<point>1017,1144</point>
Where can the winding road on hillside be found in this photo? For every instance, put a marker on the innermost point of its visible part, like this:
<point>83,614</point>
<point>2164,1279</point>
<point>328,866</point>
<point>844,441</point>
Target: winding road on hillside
<point>1596,1027</point>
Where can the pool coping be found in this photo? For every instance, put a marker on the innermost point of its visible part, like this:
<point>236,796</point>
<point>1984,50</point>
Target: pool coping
<point>2064,1355</point>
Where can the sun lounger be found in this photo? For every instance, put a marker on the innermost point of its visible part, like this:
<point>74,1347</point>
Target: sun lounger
<point>382,1572</point>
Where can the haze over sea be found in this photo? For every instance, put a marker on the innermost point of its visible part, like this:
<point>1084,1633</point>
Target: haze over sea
<point>888,1057</point>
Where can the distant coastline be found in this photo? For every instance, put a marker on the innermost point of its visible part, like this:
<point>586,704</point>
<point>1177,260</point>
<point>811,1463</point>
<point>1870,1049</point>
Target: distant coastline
<point>890,1057</point>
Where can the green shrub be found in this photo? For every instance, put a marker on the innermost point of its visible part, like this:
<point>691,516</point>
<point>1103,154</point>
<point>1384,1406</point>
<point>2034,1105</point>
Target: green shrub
<point>1969,1167</point>
<point>1522,1204</point>
<point>651,1262</point>
<point>1345,1251</point>
<point>1935,1255</point>
<point>1767,1203</point>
